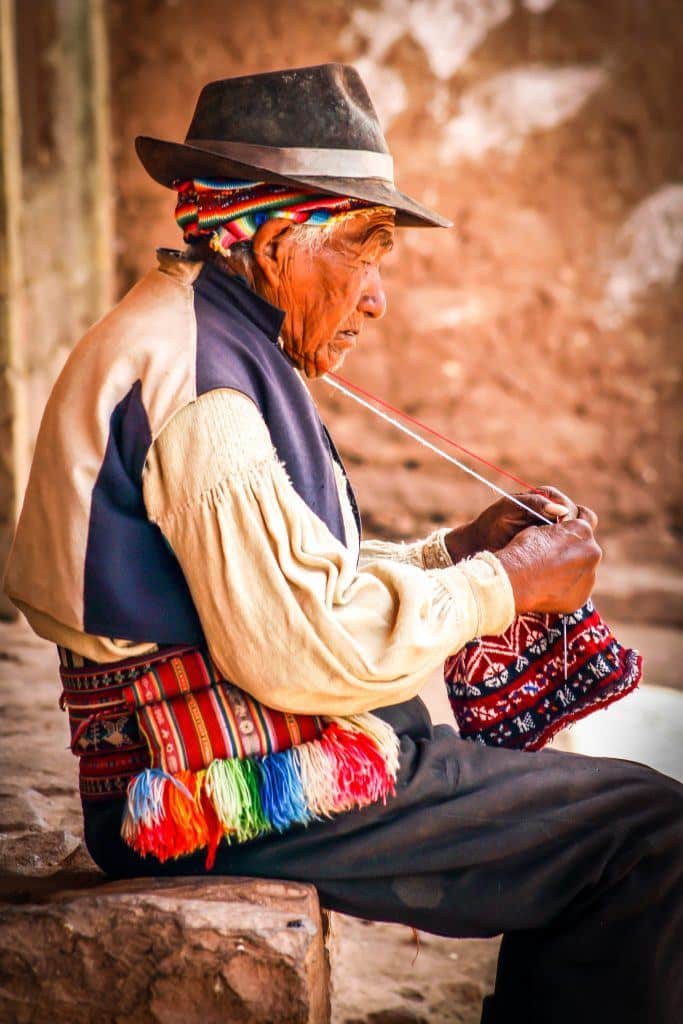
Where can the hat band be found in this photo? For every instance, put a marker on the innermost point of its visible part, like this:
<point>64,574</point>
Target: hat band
<point>317,163</point>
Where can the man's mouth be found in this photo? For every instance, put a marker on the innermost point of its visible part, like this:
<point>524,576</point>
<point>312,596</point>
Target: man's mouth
<point>348,338</point>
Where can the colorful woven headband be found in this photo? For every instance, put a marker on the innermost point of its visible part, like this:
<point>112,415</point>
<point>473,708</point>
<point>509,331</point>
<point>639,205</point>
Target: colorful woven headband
<point>232,211</point>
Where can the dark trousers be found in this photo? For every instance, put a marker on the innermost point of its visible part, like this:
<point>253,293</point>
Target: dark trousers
<point>577,860</point>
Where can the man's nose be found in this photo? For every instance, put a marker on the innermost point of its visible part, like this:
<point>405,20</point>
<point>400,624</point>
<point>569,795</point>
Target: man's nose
<point>373,301</point>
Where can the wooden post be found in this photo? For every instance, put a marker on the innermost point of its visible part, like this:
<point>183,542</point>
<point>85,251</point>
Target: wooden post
<point>56,255</point>
<point>85,150</point>
<point>101,179</point>
<point>13,456</point>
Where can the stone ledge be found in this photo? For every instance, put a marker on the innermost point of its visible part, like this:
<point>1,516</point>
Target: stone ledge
<point>247,951</point>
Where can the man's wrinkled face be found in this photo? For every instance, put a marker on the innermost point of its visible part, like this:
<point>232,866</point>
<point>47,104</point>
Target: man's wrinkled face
<point>328,292</point>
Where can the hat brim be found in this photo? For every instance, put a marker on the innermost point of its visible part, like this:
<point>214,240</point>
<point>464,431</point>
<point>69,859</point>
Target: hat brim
<point>173,162</point>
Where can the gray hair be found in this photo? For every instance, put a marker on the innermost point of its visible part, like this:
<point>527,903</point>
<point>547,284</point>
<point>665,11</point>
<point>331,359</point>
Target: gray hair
<point>311,238</point>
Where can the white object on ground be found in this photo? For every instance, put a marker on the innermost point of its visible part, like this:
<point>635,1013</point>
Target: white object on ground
<point>645,726</point>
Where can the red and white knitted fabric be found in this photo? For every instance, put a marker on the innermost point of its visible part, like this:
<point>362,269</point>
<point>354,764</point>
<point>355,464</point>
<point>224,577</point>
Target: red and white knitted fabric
<point>511,690</point>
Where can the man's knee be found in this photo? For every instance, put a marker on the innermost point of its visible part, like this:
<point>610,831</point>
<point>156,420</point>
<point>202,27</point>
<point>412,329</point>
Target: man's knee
<point>651,814</point>
<point>653,789</point>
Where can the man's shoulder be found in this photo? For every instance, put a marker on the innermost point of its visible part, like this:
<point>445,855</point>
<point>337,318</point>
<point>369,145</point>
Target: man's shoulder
<point>146,342</point>
<point>158,299</point>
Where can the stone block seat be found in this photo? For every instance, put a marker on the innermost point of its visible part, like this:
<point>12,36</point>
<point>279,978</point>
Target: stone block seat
<point>76,948</point>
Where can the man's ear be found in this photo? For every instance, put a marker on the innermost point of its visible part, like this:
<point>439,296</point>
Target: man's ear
<point>268,250</point>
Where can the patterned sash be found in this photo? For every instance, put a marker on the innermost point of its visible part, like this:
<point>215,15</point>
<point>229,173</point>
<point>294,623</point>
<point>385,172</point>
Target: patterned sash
<point>199,760</point>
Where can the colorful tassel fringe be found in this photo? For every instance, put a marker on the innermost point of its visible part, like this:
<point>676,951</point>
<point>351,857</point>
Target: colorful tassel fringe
<point>352,765</point>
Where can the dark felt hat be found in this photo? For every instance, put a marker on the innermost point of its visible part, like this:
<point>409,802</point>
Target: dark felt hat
<point>311,126</point>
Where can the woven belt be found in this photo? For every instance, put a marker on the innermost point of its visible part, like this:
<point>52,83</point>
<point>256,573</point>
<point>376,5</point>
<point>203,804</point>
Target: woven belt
<point>200,760</point>
<point>104,731</point>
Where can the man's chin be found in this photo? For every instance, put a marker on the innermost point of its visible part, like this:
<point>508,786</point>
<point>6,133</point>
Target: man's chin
<point>334,362</point>
<point>331,361</point>
<point>338,360</point>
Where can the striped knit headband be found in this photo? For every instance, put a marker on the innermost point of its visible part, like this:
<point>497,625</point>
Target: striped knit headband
<point>231,211</point>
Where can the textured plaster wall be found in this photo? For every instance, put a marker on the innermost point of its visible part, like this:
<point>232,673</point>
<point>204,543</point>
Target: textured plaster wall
<point>545,328</point>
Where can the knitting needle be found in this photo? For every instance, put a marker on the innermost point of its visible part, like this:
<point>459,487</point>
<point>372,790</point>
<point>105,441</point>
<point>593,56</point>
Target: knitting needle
<point>437,451</point>
<point>461,465</point>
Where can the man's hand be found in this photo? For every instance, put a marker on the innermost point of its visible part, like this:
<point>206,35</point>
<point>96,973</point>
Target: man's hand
<point>500,522</point>
<point>552,568</point>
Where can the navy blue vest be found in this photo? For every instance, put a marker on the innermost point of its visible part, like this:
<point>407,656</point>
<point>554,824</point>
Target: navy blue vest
<point>134,588</point>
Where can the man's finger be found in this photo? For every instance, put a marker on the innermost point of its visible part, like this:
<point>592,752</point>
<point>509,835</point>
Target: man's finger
<point>558,497</point>
<point>554,511</point>
<point>579,527</point>
<point>539,503</point>
<point>589,515</point>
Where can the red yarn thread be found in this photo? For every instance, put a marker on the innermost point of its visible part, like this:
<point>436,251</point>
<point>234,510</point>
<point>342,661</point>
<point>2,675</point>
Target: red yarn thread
<point>432,431</point>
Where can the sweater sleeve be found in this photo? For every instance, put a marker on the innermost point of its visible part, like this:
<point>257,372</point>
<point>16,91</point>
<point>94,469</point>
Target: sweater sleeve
<point>429,553</point>
<point>286,612</point>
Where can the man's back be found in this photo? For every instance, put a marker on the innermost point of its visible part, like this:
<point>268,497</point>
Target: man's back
<point>126,377</point>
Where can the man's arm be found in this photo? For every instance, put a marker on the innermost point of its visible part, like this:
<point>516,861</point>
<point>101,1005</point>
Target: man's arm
<point>286,613</point>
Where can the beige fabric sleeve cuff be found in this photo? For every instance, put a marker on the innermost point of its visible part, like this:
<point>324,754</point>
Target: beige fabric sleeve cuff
<point>492,607</point>
<point>434,551</point>
<point>429,553</point>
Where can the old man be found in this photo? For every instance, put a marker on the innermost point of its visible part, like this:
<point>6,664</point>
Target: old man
<point>186,501</point>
